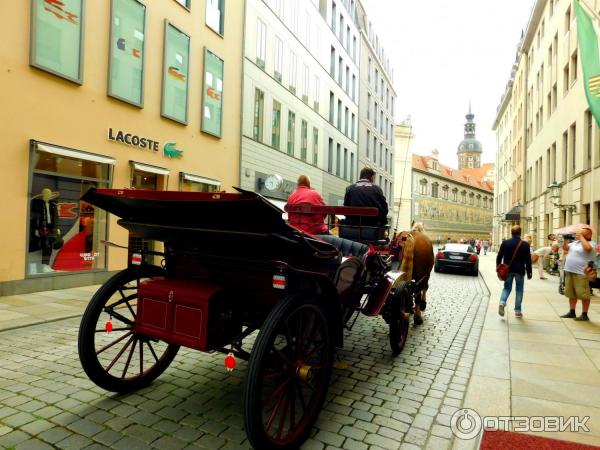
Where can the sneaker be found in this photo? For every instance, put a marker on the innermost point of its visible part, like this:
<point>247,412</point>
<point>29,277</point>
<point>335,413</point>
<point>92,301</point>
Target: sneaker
<point>582,318</point>
<point>518,314</point>
<point>501,310</point>
<point>569,315</point>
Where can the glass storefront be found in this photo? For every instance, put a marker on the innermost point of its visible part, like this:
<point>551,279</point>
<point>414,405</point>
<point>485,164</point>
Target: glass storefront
<point>65,232</point>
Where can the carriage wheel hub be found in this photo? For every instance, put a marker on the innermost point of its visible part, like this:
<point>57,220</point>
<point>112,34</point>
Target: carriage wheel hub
<point>304,372</point>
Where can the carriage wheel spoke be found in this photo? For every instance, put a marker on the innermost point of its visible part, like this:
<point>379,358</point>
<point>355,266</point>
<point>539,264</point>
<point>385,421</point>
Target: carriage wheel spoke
<point>302,401</point>
<point>310,386</point>
<point>275,374</point>
<point>116,358</point>
<point>292,394</point>
<point>307,332</point>
<point>269,423</point>
<point>284,413</point>
<point>103,330</point>
<point>152,351</point>
<point>106,347</point>
<point>282,356</point>
<point>317,346</point>
<point>141,357</point>
<point>274,393</point>
<point>120,317</point>
<point>135,339</point>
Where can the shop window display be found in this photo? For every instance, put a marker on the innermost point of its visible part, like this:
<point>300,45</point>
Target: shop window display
<point>65,232</point>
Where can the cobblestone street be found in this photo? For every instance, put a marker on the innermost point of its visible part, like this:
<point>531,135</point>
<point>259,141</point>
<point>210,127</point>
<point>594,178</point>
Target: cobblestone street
<point>376,402</point>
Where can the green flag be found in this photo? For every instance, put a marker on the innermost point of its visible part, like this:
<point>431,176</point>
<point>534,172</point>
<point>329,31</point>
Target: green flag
<point>590,59</point>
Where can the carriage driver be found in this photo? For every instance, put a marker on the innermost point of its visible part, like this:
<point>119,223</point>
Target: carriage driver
<point>365,193</point>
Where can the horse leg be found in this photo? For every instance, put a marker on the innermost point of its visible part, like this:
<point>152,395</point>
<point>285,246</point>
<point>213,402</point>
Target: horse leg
<point>418,317</point>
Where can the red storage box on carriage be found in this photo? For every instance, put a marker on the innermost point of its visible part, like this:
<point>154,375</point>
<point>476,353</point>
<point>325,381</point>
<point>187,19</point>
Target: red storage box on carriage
<point>194,314</point>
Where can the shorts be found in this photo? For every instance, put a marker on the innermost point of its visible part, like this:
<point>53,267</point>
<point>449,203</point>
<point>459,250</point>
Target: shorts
<point>577,286</point>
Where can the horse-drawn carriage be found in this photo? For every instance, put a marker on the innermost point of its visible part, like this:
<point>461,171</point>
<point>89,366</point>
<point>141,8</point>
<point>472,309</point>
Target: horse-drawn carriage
<point>231,266</point>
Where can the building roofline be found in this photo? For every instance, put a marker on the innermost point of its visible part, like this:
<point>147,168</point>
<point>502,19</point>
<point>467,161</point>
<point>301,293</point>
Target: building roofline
<point>534,19</point>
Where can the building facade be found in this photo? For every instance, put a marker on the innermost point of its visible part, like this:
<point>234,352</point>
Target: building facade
<point>117,94</point>
<point>452,204</point>
<point>561,145</point>
<point>402,203</point>
<point>300,97</point>
<point>377,96</point>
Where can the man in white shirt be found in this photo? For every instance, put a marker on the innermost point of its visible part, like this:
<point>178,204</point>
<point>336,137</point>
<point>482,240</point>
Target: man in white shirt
<point>578,254</point>
<point>540,255</point>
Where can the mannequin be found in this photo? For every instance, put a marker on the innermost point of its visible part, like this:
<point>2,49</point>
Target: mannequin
<point>44,223</point>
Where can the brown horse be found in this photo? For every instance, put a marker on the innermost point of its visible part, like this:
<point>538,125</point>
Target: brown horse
<point>415,253</point>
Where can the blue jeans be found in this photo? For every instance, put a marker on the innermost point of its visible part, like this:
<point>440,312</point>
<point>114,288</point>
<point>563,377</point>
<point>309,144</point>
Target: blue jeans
<point>520,281</point>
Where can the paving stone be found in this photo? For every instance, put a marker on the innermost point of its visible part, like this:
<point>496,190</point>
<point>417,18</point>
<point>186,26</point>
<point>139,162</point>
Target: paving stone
<point>33,444</point>
<point>437,443</point>
<point>329,438</point>
<point>13,438</point>
<point>74,442</point>
<point>351,444</point>
<point>85,427</point>
<point>37,426</point>
<point>210,442</point>
<point>416,436</point>
<point>441,431</point>
<point>107,437</point>
<point>381,441</point>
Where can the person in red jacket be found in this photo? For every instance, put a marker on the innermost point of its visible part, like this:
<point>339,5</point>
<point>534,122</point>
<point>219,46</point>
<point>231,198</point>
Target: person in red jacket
<point>309,223</point>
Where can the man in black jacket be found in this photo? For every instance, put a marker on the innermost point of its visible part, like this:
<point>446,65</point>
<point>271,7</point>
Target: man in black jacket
<point>518,266</point>
<point>365,193</point>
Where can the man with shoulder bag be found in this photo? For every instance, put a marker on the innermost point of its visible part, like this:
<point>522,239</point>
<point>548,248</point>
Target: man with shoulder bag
<point>512,262</point>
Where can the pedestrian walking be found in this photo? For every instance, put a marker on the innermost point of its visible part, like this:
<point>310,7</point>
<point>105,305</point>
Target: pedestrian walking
<point>577,286</point>
<point>514,252</point>
<point>486,245</point>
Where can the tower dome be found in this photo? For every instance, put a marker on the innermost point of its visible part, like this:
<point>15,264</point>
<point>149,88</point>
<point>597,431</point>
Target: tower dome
<point>469,149</point>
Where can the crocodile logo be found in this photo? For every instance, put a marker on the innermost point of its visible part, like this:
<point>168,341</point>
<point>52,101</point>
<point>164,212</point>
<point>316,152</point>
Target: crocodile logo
<point>170,150</point>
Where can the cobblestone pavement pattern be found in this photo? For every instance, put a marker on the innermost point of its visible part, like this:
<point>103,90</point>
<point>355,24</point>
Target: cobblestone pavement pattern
<point>377,402</point>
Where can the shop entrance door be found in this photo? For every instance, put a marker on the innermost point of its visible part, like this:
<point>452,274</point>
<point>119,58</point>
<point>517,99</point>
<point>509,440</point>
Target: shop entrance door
<point>146,181</point>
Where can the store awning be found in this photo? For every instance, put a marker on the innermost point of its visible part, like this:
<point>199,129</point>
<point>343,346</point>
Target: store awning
<point>197,179</point>
<point>149,168</point>
<point>514,215</point>
<point>76,154</point>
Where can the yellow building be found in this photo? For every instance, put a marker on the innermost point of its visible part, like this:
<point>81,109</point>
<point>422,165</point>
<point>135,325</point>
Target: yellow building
<point>120,93</point>
<point>561,150</point>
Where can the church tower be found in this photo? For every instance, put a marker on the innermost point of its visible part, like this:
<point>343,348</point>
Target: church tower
<point>469,150</point>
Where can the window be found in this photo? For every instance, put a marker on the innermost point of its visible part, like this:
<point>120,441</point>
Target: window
<point>351,175</point>
<point>315,157</point>
<point>185,3</point>
<point>455,194</point>
<point>463,195</point>
<point>291,133</point>
<point>352,126</point>
<point>568,20</point>
<point>194,183</point>
<point>589,127</point>
<point>317,93</point>
<point>259,100</point>
<point>348,80</point>
<point>333,17</point>
<point>375,149</point>
<point>573,133</point>
<point>353,94</point>
<point>445,190</point>
<point>346,120</point>
<point>261,43</point>
<point>340,70</point>
<point>369,69</point>
<point>303,140</point>
<point>573,69</point>
<point>368,143</point>
<point>215,15</point>
<point>175,74</point>
<point>60,177</point>
<point>338,159</point>
<point>565,165</point>
<point>212,96</point>
<point>56,38</point>
<point>278,59</point>
<point>331,108</point>
<point>330,156</point>
<point>434,190</point>
<point>354,48</point>
<point>346,174</point>
<point>306,84</point>
<point>293,70</point>
<point>276,126</point>
<point>368,106</point>
<point>332,63</point>
<point>423,187</point>
<point>127,51</point>
<point>339,115</point>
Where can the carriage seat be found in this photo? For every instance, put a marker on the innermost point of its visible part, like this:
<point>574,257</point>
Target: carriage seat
<point>345,246</point>
<point>366,234</point>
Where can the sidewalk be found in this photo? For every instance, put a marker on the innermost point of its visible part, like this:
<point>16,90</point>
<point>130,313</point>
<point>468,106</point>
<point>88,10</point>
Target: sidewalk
<point>30,309</point>
<point>540,365</point>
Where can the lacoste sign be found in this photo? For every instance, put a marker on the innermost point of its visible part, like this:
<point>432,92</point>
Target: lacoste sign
<point>170,149</point>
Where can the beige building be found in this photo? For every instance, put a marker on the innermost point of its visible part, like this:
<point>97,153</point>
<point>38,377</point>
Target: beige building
<point>119,94</point>
<point>402,202</point>
<point>561,145</point>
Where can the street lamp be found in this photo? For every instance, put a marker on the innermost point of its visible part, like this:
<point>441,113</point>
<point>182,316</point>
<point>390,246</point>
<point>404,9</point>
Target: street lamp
<point>554,189</point>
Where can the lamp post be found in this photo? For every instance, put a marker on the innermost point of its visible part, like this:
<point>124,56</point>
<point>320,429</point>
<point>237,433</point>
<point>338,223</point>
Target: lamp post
<point>554,189</point>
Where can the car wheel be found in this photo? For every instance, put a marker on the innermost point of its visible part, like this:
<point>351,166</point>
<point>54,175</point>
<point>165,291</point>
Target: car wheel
<point>475,271</point>
<point>436,268</point>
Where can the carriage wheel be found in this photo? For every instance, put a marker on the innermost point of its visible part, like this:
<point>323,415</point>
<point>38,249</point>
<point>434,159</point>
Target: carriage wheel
<point>288,374</point>
<point>398,320</point>
<point>121,360</point>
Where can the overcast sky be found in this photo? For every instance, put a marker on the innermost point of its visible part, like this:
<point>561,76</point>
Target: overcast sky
<point>445,53</point>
